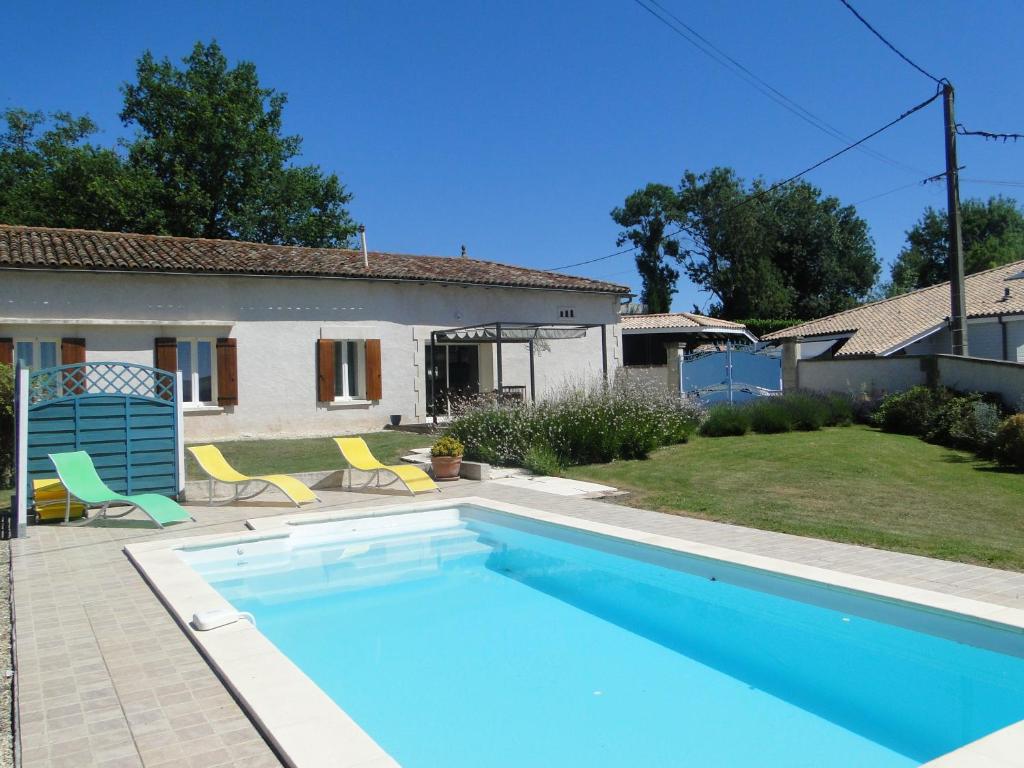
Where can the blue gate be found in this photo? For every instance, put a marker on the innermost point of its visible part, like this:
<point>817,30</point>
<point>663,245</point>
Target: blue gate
<point>735,373</point>
<point>125,416</point>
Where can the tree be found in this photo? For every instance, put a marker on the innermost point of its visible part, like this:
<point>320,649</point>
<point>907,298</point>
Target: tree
<point>208,160</point>
<point>647,212</point>
<point>50,175</point>
<point>761,252</point>
<point>212,137</point>
<point>993,235</point>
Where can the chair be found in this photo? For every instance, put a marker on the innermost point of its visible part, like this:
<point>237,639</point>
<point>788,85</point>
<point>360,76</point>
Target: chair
<point>358,455</point>
<point>78,474</point>
<point>216,467</point>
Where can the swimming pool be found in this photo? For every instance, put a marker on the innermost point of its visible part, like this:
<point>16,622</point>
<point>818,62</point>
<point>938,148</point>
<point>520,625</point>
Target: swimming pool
<point>469,636</point>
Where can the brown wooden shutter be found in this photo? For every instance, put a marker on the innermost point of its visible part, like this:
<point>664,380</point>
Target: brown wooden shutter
<point>72,351</point>
<point>325,370</point>
<point>373,372</point>
<point>227,372</point>
<point>7,351</point>
<point>165,356</point>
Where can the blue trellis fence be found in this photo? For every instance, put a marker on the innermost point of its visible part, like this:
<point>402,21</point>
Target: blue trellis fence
<point>733,373</point>
<point>127,417</point>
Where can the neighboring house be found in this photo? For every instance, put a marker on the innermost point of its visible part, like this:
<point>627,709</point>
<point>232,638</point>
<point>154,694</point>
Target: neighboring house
<point>917,323</point>
<point>289,341</point>
<point>645,338</point>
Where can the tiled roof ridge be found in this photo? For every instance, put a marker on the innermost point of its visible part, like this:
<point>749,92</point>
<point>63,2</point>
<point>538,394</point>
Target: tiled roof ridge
<point>898,297</point>
<point>515,275</point>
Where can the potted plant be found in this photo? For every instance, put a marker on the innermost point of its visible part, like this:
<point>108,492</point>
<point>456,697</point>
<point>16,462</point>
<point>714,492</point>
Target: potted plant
<point>446,458</point>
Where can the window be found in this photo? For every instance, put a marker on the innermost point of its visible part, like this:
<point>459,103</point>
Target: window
<point>37,353</point>
<point>198,372</point>
<point>347,365</point>
<point>566,313</point>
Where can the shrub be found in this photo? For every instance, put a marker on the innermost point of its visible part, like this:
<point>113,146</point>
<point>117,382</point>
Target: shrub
<point>447,446</point>
<point>768,415</point>
<point>726,421</point>
<point>841,411</point>
<point>909,413</point>
<point>6,425</point>
<point>1009,442</point>
<point>967,422</point>
<point>541,460</point>
<point>581,425</point>
<point>806,412</point>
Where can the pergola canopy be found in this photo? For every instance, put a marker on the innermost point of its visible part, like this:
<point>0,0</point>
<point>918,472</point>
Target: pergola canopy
<point>512,333</point>
<point>500,333</point>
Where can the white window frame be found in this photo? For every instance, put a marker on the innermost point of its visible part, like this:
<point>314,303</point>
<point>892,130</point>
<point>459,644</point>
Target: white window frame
<point>341,354</point>
<point>193,342</point>
<point>36,341</point>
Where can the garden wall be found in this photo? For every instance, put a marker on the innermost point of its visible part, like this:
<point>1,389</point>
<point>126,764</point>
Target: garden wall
<point>893,374</point>
<point>647,376</point>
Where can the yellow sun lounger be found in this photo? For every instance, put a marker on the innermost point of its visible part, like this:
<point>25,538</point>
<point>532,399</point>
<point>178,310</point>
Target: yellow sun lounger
<point>213,463</point>
<point>357,454</point>
<point>51,500</point>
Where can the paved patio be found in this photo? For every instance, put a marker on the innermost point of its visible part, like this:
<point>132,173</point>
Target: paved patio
<point>108,679</point>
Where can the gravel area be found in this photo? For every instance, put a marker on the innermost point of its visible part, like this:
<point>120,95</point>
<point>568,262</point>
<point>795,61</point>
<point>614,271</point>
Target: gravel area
<point>6,681</point>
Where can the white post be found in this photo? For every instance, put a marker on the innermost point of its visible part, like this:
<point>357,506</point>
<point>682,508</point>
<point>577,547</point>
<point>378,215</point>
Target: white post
<point>728,365</point>
<point>20,523</point>
<point>180,429</point>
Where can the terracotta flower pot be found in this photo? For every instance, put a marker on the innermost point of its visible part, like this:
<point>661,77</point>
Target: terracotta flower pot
<point>446,467</point>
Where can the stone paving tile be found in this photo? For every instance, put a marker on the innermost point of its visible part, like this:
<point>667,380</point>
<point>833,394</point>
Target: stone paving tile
<point>108,679</point>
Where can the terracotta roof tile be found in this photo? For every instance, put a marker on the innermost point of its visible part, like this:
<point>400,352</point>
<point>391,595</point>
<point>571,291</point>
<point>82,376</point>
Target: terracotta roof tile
<point>49,248</point>
<point>675,320</point>
<point>880,326</point>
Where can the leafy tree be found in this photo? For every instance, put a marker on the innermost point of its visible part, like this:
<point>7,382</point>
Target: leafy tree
<point>51,175</point>
<point>647,212</point>
<point>993,235</point>
<point>726,251</point>
<point>208,160</point>
<point>786,252</point>
<point>211,136</point>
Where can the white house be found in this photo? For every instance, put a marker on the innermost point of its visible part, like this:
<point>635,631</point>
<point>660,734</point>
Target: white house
<point>896,343</point>
<point>288,341</point>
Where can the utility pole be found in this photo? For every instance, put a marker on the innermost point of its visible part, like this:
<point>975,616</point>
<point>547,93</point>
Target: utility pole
<point>958,300</point>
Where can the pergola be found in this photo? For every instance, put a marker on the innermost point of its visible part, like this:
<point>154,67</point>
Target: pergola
<point>500,333</point>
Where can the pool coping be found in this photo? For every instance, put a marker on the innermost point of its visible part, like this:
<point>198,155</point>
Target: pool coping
<point>308,729</point>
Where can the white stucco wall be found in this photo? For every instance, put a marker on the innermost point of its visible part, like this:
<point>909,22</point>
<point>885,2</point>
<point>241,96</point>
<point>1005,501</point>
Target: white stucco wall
<point>276,322</point>
<point>871,376</point>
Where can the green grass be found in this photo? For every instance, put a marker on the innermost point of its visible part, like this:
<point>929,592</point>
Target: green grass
<point>308,454</point>
<point>851,484</point>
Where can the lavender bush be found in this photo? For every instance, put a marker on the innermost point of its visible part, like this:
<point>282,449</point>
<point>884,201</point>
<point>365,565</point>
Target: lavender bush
<point>583,424</point>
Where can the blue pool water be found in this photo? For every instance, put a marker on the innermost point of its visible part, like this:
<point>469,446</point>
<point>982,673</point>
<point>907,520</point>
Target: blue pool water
<point>471,638</point>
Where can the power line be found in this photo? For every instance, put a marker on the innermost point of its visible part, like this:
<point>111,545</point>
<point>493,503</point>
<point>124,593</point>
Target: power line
<point>891,47</point>
<point>760,193</point>
<point>997,182</point>
<point>890,192</point>
<point>720,57</point>
<point>1004,137</point>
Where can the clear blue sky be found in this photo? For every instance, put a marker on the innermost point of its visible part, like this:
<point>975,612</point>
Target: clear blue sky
<point>515,127</point>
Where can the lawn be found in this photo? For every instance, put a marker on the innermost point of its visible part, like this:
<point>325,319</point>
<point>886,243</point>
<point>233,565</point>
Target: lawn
<point>309,454</point>
<point>851,484</point>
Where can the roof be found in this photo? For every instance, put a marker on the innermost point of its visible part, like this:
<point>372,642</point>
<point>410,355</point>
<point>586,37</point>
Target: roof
<point>883,326</point>
<point>674,320</point>
<point>76,249</point>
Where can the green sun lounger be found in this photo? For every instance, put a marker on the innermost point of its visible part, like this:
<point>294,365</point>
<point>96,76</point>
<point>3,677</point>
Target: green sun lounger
<point>79,476</point>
